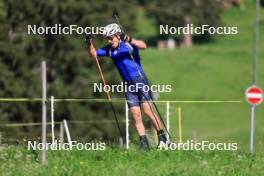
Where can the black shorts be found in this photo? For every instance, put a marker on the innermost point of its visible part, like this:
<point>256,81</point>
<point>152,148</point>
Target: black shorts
<point>138,91</point>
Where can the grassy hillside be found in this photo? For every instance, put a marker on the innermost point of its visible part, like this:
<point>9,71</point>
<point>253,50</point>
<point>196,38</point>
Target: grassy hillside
<point>220,70</point>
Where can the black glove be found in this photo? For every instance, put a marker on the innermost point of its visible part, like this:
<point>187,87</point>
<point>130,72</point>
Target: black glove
<point>126,38</point>
<point>88,39</point>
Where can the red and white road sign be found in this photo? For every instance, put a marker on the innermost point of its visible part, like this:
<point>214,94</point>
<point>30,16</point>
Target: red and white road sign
<point>254,95</point>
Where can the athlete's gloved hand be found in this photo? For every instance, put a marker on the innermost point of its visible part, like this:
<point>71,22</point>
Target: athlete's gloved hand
<point>126,38</point>
<point>89,39</point>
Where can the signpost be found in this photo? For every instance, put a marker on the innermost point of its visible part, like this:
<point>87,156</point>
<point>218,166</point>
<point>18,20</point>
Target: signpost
<point>254,94</point>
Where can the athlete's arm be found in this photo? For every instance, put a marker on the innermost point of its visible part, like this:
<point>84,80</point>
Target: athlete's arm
<point>140,44</point>
<point>91,50</point>
<point>93,53</point>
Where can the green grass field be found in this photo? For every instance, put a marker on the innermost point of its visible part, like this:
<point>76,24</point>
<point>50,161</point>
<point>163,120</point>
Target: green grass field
<point>19,161</point>
<point>220,70</point>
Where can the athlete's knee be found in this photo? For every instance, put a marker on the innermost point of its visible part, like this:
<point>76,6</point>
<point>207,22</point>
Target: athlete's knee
<point>136,114</point>
<point>147,110</point>
<point>137,117</point>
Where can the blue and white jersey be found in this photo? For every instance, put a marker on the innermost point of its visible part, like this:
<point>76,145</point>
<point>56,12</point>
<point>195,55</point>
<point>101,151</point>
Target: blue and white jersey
<point>123,60</point>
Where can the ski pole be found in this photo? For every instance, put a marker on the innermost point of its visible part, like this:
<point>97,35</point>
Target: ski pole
<point>88,38</point>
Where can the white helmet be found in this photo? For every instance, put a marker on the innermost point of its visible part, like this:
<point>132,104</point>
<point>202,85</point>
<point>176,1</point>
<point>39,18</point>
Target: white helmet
<point>111,30</point>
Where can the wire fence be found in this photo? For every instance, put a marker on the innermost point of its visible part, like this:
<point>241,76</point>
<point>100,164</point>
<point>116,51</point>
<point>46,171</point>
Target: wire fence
<point>166,106</point>
<point>120,100</point>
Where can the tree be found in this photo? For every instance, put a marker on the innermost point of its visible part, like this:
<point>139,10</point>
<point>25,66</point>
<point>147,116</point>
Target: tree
<point>175,12</point>
<point>70,72</point>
